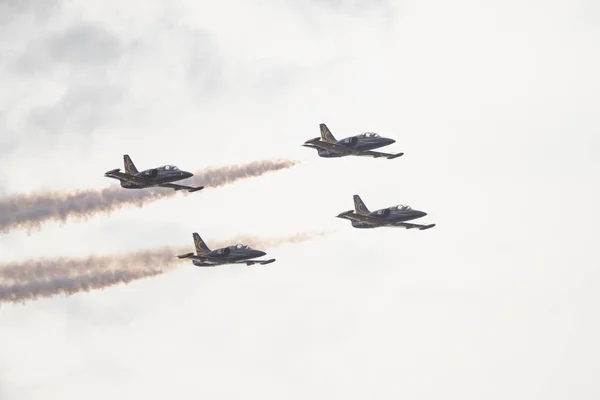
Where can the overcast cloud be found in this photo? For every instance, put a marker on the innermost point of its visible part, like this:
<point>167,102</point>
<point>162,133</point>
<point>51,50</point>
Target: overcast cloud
<point>495,105</point>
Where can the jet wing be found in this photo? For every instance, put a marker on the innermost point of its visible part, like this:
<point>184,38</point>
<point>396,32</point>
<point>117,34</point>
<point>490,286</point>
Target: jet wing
<point>408,225</point>
<point>216,261</point>
<point>180,187</point>
<point>350,150</point>
<point>252,262</point>
<point>377,154</point>
<point>382,222</point>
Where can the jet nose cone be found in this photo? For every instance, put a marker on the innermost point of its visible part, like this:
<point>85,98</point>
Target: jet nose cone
<point>422,213</point>
<point>259,253</point>
<point>390,141</point>
<point>186,174</point>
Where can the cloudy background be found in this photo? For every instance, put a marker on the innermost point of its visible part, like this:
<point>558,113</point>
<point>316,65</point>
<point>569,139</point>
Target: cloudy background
<point>495,105</point>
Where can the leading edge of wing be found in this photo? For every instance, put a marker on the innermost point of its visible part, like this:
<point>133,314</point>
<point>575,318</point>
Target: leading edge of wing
<point>408,225</point>
<point>378,154</point>
<point>252,262</point>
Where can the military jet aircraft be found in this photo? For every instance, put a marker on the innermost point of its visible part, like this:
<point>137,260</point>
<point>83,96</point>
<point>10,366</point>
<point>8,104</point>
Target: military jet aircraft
<point>161,176</point>
<point>394,216</point>
<point>360,145</point>
<point>234,254</point>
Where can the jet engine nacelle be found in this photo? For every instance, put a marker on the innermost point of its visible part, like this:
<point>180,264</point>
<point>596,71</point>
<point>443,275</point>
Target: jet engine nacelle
<point>382,213</point>
<point>151,173</point>
<point>351,141</point>
<point>129,185</point>
<point>224,252</point>
<point>328,154</point>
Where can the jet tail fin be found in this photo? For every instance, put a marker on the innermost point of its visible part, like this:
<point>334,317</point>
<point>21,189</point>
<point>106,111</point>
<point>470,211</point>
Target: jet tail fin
<point>326,134</point>
<point>201,247</point>
<point>360,206</point>
<point>129,165</point>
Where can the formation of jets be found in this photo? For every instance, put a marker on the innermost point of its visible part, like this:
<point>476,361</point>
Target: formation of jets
<point>327,146</point>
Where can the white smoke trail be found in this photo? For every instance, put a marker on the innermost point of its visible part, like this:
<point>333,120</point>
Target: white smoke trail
<point>33,279</point>
<point>29,211</point>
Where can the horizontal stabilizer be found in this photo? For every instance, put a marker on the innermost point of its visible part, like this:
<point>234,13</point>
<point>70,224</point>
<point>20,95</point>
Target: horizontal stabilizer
<point>196,189</point>
<point>395,156</point>
<point>187,255</point>
<point>112,171</point>
<point>427,227</point>
<point>313,140</point>
<point>342,215</point>
<point>311,146</point>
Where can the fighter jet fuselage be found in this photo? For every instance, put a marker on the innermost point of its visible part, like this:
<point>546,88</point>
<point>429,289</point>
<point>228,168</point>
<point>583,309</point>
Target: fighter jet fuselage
<point>164,174</point>
<point>234,254</point>
<point>229,254</point>
<point>161,176</point>
<point>328,146</point>
<point>391,214</point>
<point>395,216</point>
<point>362,142</point>
<point>398,213</point>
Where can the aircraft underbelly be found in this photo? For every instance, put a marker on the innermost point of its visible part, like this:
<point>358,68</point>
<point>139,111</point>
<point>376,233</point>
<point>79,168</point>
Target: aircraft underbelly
<point>363,225</point>
<point>131,185</point>
<point>329,154</point>
<point>204,265</point>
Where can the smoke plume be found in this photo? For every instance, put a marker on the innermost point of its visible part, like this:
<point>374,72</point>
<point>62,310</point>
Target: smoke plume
<point>29,211</point>
<point>34,279</point>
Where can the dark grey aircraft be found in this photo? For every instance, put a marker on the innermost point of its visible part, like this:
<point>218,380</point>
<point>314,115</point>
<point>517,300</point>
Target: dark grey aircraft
<point>360,145</point>
<point>234,254</point>
<point>394,216</point>
<point>161,176</point>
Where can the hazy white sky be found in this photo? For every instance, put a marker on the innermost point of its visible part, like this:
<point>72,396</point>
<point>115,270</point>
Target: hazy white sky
<point>495,105</point>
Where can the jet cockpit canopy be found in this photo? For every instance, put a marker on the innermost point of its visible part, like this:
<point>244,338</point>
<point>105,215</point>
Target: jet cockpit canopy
<point>369,135</point>
<point>169,168</point>
<point>241,246</point>
<point>402,207</point>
